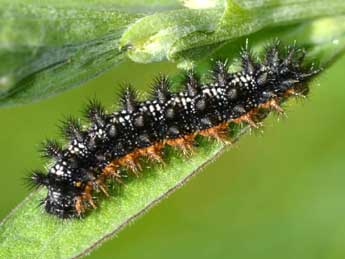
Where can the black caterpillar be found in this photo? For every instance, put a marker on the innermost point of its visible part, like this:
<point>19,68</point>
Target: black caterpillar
<point>142,128</point>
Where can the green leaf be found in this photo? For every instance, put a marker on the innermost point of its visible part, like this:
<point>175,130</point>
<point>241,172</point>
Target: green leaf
<point>28,232</point>
<point>188,35</point>
<point>46,48</point>
<point>53,238</point>
<point>151,38</point>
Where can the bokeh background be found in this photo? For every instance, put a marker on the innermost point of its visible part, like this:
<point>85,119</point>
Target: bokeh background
<point>279,194</point>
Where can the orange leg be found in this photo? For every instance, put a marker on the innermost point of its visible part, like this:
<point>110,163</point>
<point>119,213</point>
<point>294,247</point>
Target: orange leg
<point>219,132</point>
<point>130,161</point>
<point>272,104</point>
<point>87,194</point>
<point>185,144</point>
<point>153,152</point>
<point>79,207</point>
<point>293,92</point>
<point>246,118</point>
<point>111,170</point>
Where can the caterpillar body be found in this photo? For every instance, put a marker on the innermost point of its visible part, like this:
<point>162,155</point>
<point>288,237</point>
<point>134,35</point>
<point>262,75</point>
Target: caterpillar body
<point>115,141</point>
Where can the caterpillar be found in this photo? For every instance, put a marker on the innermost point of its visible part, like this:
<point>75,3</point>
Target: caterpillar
<point>115,141</point>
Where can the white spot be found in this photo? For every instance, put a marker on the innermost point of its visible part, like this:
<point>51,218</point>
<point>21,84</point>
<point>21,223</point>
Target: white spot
<point>243,79</point>
<point>59,173</point>
<point>207,91</point>
<point>183,101</point>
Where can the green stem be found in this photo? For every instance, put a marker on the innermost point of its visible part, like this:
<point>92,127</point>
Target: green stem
<point>186,31</point>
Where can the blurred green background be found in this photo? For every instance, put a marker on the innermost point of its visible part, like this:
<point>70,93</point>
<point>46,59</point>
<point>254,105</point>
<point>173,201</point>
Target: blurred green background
<point>275,195</point>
